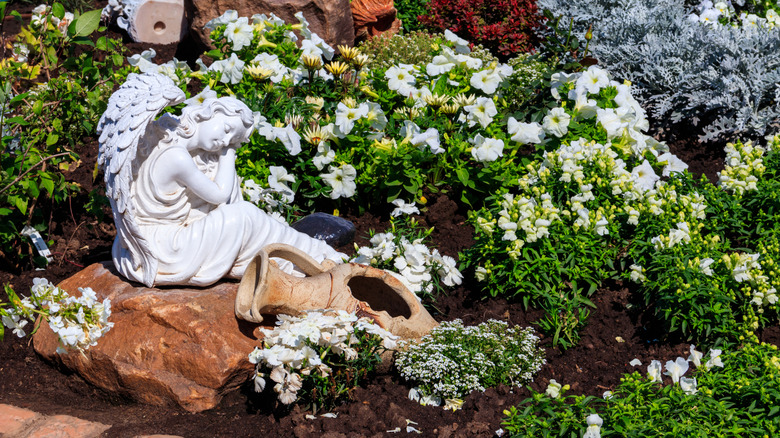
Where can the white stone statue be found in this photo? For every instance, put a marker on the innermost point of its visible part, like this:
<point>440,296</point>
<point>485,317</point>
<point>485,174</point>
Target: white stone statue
<point>174,192</point>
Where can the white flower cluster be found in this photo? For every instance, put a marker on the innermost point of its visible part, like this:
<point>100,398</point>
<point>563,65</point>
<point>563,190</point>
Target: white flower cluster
<point>79,322</point>
<point>414,262</point>
<point>744,165</point>
<point>676,236</point>
<point>677,368</point>
<point>712,14</point>
<point>452,360</point>
<point>143,62</point>
<point>532,216</point>
<point>300,346</point>
<point>745,268</point>
<point>41,14</point>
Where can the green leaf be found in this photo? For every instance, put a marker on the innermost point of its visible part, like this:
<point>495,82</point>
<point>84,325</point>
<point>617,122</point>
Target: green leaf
<point>118,59</point>
<point>5,211</point>
<point>58,10</point>
<point>87,23</point>
<point>52,139</point>
<point>21,204</point>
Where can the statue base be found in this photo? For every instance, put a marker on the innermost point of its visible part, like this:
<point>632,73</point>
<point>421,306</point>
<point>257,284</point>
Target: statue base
<point>171,346</point>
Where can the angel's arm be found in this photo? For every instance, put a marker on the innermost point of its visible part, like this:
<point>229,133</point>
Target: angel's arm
<point>184,171</point>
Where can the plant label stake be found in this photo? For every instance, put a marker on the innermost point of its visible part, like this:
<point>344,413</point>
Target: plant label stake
<point>38,242</point>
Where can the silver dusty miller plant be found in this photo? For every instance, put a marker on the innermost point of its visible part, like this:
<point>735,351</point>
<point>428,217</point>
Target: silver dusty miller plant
<point>724,79</point>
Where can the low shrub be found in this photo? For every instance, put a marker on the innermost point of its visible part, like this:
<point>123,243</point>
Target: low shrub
<point>505,27</point>
<point>733,393</point>
<point>722,78</point>
<point>453,360</point>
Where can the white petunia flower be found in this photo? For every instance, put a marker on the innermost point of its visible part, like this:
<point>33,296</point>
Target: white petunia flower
<point>278,180</point>
<point>201,97</point>
<point>401,207</point>
<point>461,45</point>
<point>486,80</point>
<point>240,33</point>
<point>341,180</point>
<point>525,133</point>
<point>486,150</point>
<point>644,176</point>
<point>482,111</point>
<point>556,122</point>
<point>231,69</point>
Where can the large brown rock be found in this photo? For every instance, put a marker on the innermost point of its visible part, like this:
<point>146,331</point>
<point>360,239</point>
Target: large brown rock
<point>167,346</point>
<point>330,19</point>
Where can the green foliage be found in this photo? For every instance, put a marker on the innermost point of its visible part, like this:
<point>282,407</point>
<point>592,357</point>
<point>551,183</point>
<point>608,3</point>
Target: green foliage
<point>739,399</point>
<point>453,360</point>
<point>41,125</point>
<point>414,47</point>
<point>408,13</point>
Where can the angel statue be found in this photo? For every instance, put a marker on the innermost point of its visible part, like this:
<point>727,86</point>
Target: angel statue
<point>176,198</point>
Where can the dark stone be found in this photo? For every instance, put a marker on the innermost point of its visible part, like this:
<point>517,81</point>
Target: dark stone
<point>334,230</point>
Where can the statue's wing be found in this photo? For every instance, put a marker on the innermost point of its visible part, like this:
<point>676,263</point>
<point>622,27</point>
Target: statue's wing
<point>129,114</point>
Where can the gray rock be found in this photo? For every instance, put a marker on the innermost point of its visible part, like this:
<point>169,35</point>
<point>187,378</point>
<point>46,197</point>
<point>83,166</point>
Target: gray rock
<point>334,230</point>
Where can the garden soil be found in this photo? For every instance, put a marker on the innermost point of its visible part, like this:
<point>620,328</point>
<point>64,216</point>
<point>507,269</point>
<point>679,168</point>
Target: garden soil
<point>614,335</point>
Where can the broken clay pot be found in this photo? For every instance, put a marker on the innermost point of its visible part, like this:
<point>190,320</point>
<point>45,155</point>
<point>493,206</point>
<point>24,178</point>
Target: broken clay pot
<point>265,290</point>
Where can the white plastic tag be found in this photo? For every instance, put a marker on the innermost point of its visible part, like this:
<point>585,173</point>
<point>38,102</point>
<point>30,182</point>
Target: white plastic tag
<point>38,242</point>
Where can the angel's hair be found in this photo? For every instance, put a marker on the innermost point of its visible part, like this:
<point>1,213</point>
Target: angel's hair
<point>192,115</point>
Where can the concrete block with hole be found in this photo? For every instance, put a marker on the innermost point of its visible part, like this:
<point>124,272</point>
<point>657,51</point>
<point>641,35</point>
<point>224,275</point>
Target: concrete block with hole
<point>154,21</point>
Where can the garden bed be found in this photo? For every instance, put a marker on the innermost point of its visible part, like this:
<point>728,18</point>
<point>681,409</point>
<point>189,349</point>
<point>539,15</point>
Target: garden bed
<point>615,332</point>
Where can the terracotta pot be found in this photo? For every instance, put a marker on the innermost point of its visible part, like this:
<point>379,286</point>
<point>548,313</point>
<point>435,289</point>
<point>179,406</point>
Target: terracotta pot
<point>265,289</point>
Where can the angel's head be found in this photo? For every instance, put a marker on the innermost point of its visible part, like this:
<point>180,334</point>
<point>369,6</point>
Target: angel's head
<point>215,124</point>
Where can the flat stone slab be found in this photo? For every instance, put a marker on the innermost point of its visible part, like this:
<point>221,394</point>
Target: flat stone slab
<point>171,346</point>
<point>23,423</point>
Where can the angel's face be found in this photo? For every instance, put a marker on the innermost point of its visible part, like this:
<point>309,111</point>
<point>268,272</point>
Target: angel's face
<point>219,132</point>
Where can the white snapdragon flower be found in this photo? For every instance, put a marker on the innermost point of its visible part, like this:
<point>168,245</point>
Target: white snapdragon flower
<point>240,33</point>
<point>143,61</point>
<point>676,369</point>
<point>704,266</point>
<point>695,356</point>
<point>556,122</point>
<point>594,426</point>
<point>341,180</point>
<point>688,385</point>
<point>482,111</point>
<point>448,271</point>
<point>486,150</point>
<point>553,389</point>
<point>525,133</point>
<point>654,371</point>
<point>714,360</point>
<point>637,274</point>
